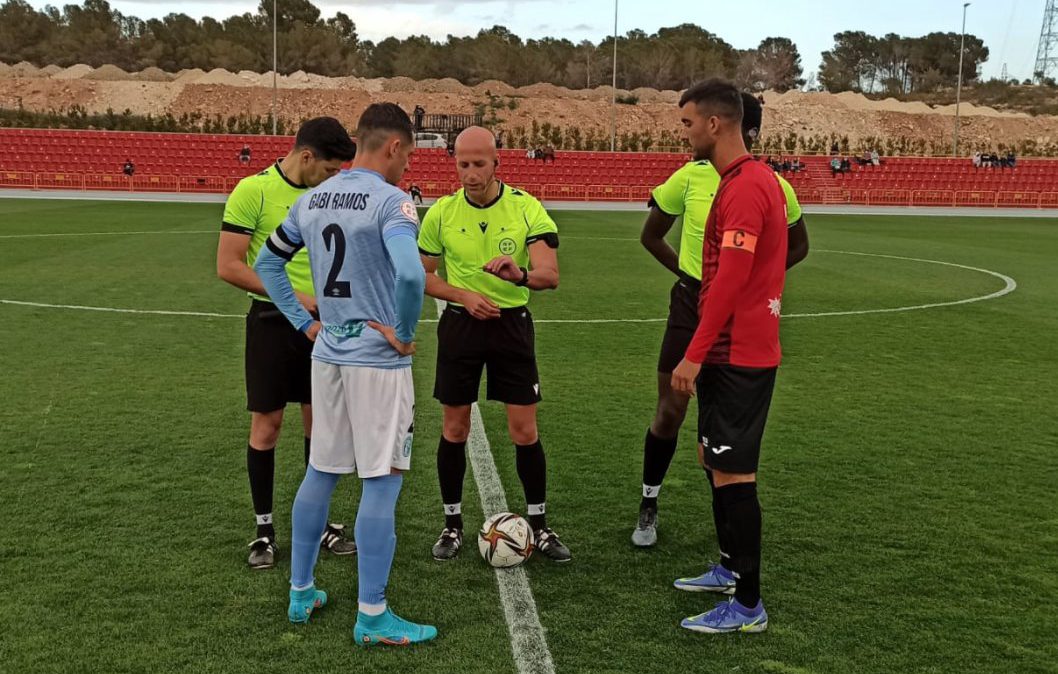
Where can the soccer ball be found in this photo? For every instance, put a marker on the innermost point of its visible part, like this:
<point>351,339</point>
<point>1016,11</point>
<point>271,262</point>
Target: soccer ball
<point>505,540</point>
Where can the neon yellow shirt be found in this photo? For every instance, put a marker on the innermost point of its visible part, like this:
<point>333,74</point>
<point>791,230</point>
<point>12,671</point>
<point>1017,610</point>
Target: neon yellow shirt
<point>468,236</point>
<point>256,207</point>
<point>690,192</point>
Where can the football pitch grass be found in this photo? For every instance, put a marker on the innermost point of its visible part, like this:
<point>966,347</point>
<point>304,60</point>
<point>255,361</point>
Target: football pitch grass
<point>908,475</point>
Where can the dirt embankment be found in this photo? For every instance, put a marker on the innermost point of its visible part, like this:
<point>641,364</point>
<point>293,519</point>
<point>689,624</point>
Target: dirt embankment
<point>301,95</point>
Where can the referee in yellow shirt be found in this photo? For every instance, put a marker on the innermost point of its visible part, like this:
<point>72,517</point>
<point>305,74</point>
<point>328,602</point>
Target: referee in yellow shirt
<point>689,193</point>
<point>498,243</point>
<point>277,360</point>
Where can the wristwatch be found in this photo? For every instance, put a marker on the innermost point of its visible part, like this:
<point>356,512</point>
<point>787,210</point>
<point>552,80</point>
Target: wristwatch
<point>525,277</point>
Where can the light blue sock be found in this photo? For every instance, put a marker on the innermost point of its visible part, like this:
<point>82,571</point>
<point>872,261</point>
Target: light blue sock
<point>308,520</point>
<point>376,536</point>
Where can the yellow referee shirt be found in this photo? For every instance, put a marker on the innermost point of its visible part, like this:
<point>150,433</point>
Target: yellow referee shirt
<point>468,236</point>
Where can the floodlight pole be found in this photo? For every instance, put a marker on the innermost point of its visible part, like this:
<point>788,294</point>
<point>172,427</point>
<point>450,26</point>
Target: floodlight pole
<point>275,60</point>
<point>958,88</point>
<point>613,99</point>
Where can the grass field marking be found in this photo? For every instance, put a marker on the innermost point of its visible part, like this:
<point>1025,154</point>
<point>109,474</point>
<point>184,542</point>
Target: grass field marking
<point>528,642</point>
<point>1009,286</point>
<point>114,310</point>
<point>52,234</point>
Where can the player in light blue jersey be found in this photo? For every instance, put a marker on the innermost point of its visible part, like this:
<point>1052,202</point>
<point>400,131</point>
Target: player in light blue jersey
<point>361,232</point>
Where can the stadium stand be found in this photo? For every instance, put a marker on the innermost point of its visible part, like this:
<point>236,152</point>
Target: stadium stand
<point>174,162</point>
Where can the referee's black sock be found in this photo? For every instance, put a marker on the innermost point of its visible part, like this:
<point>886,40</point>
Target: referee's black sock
<point>723,536</point>
<point>308,446</point>
<point>742,512</point>
<point>451,468</point>
<point>657,455</point>
<point>532,471</point>
<point>261,465</point>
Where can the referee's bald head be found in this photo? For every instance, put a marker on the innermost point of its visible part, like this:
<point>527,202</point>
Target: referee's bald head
<point>476,140</point>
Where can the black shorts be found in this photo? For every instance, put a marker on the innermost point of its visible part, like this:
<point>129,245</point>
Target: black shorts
<point>683,321</point>
<point>278,360</point>
<point>506,346</point>
<point>733,407</point>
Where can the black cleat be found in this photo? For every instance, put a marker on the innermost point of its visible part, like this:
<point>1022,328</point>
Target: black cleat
<point>547,543</point>
<point>334,539</point>
<point>263,553</point>
<point>448,544</point>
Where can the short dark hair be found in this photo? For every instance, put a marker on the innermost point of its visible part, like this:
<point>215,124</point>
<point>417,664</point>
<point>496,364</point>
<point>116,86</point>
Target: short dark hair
<point>378,121</point>
<point>752,117</point>
<point>327,139</point>
<point>719,96</point>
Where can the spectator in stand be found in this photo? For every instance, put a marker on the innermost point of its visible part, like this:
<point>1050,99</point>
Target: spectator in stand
<point>865,159</point>
<point>129,168</point>
<point>846,165</point>
<point>416,194</point>
<point>548,153</point>
<point>835,166</point>
<point>1012,161</point>
<point>876,160</point>
<point>796,165</point>
<point>419,113</point>
<point>530,153</point>
<point>977,160</point>
<point>785,165</point>
<point>244,155</point>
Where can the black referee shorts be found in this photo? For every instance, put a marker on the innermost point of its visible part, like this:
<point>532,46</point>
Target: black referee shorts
<point>733,407</point>
<point>278,360</point>
<point>505,346</point>
<point>683,321</point>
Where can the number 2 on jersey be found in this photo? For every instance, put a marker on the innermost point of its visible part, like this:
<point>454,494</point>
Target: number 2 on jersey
<point>333,236</point>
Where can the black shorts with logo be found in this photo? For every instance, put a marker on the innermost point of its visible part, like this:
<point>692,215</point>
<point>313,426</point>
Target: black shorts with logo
<point>683,321</point>
<point>733,407</point>
<point>505,346</point>
<point>278,360</point>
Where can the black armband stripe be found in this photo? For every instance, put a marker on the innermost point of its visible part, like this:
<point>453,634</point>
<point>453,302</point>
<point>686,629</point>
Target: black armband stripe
<point>236,229</point>
<point>550,238</point>
<point>285,238</point>
<point>287,254</point>
<point>423,251</point>
<point>653,203</point>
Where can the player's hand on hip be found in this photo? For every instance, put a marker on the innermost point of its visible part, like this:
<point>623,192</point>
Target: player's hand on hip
<point>480,307</point>
<point>313,331</point>
<point>505,268</point>
<point>403,348</point>
<point>309,302</point>
<point>684,376</point>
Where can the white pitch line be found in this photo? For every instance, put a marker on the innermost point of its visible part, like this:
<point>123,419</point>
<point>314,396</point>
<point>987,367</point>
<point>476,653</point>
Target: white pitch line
<point>42,236</point>
<point>1009,286</point>
<point>528,643</point>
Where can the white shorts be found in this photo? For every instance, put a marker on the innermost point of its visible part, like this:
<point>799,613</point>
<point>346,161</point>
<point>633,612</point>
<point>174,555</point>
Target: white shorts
<point>362,419</point>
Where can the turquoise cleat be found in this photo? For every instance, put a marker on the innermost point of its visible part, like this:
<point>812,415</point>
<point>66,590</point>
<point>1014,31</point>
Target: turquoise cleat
<point>387,629</point>
<point>304,602</point>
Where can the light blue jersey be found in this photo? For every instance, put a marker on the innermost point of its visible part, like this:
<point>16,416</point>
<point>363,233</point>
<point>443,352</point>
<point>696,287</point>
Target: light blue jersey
<point>361,233</point>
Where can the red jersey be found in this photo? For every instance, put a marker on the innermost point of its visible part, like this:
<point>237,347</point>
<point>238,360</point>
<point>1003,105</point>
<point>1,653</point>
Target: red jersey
<point>743,270</point>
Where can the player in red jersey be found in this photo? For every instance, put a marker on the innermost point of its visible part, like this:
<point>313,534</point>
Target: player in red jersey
<point>735,352</point>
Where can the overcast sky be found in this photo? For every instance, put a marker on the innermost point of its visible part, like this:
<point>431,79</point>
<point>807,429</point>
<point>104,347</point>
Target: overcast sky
<point>1010,28</point>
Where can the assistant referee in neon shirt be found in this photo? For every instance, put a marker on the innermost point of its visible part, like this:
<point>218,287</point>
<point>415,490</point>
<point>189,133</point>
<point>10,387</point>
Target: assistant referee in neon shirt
<point>498,243</point>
